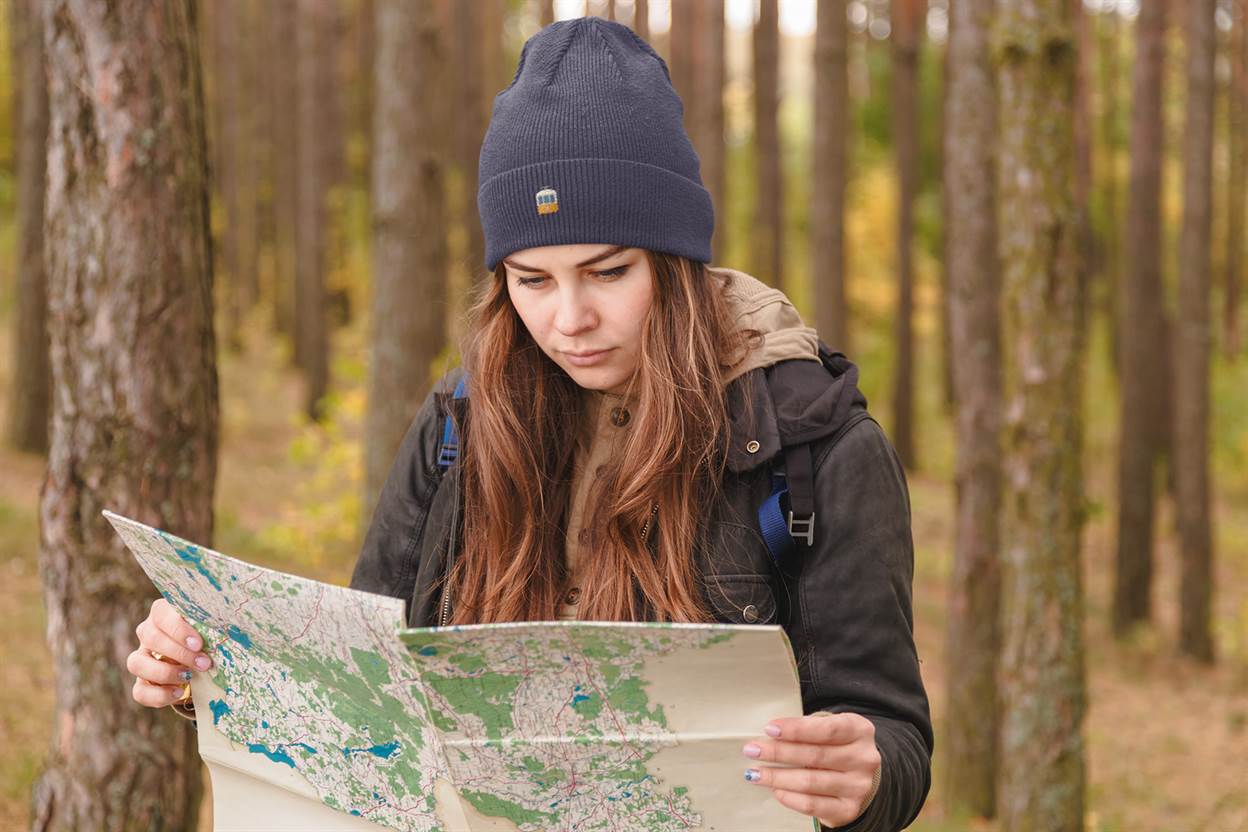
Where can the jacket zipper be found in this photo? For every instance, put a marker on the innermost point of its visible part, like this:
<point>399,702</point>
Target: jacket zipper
<point>445,615</point>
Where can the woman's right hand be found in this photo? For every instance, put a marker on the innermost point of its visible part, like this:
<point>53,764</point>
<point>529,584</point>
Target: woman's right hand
<point>159,683</point>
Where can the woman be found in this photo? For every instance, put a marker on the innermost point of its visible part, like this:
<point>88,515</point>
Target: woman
<point>628,408</point>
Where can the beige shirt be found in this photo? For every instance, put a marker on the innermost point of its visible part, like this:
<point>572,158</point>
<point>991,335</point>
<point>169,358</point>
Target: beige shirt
<point>608,416</point>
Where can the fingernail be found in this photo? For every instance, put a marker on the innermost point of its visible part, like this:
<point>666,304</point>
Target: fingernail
<point>185,675</point>
<point>771,730</point>
<point>193,642</point>
<point>753,775</point>
<point>203,662</point>
<point>752,750</point>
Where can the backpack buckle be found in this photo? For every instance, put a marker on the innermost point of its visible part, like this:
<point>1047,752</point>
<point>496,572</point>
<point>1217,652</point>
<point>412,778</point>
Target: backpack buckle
<point>803,526</point>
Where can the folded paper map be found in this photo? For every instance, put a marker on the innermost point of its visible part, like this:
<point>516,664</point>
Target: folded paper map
<point>323,712</point>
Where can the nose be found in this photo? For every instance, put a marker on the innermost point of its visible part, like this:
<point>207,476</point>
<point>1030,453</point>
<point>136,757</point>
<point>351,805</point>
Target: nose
<point>575,314</point>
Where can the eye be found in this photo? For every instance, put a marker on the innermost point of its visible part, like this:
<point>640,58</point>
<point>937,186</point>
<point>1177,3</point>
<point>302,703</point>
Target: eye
<point>530,281</point>
<point>618,271</point>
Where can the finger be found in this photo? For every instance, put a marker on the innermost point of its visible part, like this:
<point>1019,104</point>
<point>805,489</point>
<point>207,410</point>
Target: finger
<point>172,624</point>
<point>832,811</point>
<point>809,781</point>
<point>142,665</point>
<point>821,728</point>
<point>155,696</point>
<point>804,755</point>
<point>155,639</point>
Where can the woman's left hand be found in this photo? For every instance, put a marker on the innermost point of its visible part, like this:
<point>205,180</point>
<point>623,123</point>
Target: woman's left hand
<point>833,759</point>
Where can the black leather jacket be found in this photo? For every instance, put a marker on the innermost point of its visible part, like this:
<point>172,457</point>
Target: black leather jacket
<point>844,602</point>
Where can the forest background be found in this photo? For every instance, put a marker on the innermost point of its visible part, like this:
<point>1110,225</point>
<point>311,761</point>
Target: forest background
<point>299,241</point>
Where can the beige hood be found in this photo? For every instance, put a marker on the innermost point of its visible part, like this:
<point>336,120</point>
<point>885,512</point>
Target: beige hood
<point>758,306</point>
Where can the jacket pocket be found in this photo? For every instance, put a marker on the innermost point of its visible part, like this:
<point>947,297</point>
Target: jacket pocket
<point>741,599</point>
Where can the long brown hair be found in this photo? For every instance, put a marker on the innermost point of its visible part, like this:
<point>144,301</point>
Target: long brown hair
<point>517,460</point>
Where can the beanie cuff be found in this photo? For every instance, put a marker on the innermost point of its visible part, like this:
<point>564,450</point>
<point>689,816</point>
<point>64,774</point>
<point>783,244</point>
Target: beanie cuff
<point>612,201</point>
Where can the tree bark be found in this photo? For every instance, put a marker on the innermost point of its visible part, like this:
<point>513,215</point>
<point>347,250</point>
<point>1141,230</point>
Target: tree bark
<point>1193,340</point>
<point>134,423</point>
<point>831,174</point>
<point>714,151</point>
<point>1237,184</point>
<point>1042,681</point>
<point>1142,318</point>
<point>768,226</point>
<point>907,16</point>
<point>470,20</point>
<point>1109,263</point>
<point>313,38</point>
<point>973,637</point>
<point>284,145</point>
<point>409,235</point>
<point>30,390</point>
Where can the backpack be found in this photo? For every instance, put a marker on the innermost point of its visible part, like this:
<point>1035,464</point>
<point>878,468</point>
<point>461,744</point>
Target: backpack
<point>794,480</point>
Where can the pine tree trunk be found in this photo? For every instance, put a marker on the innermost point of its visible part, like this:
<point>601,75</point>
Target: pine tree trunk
<point>831,173</point>
<point>907,16</point>
<point>1237,184</point>
<point>472,119</point>
<point>1110,262</point>
<point>313,78</point>
<point>1142,318</point>
<point>134,425</point>
<point>1192,341</point>
<point>1042,682</point>
<point>768,226</point>
<point>284,144</point>
<point>641,18</point>
<point>30,390</point>
<point>713,148</point>
<point>974,632</point>
<point>409,235</point>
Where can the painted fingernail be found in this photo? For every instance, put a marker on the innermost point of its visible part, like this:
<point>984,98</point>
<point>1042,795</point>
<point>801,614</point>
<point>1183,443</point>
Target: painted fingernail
<point>203,662</point>
<point>193,642</point>
<point>771,730</point>
<point>753,775</point>
<point>752,750</point>
<point>185,675</point>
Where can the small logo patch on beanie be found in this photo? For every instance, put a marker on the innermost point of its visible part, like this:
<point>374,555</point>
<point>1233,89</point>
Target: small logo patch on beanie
<point>547,200</point>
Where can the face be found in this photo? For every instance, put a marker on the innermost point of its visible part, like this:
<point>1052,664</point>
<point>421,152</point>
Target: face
<point>584,306</point>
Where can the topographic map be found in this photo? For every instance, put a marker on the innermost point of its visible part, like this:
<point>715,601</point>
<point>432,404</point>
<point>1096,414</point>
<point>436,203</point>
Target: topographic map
<point>322,712</point>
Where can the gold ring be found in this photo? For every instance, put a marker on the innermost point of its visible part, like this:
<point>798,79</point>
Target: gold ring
<point>186,694</point>
<point>160,657</point>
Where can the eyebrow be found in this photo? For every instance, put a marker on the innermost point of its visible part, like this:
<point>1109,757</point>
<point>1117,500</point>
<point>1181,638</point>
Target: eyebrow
<point>596,258</point>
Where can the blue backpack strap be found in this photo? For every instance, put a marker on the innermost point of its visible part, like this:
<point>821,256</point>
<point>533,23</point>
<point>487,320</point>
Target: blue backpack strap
<point>781,533</point>
<point>449,452</point>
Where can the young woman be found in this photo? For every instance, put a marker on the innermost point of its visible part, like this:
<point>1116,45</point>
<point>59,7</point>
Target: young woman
<point>628,408</point>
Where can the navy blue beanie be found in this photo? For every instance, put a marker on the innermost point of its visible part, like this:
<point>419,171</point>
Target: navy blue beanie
<point>587,145</point>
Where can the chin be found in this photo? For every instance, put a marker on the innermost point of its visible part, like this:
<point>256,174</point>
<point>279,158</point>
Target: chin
<point>596,378</point>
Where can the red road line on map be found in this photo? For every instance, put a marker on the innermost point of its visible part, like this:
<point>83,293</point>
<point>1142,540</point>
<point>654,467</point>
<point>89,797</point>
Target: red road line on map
<point>315,612</point>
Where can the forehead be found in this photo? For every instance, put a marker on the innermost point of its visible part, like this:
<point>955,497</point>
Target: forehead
<point>564,257</point>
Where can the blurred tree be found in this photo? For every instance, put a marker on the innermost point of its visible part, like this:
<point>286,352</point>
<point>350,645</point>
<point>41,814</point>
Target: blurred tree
<point>471,23</point>
<point>1108,263</point>
<point>409,233</point>
<point>283,143</point>
<point>641,18</point>
<point>1193,340</point>
<point>135,418</point>
<point>767,228</point>
<point>1141,320</point>
<point>30,390</point>
<point>1042,686</point>
<point>907,18</point>
<point>546,12</point>
<point>1237,181</point>
<point>316,29</point>
<point>973,635</point>
<point>1085,50</point>
<point>829,146</point>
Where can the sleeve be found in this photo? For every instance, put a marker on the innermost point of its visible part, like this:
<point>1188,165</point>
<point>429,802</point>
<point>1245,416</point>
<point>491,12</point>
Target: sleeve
<point>387,561</point>
<point>855,641</point>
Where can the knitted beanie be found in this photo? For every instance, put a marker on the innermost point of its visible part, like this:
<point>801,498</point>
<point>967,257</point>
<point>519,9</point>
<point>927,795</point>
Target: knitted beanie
<point>587,145</point>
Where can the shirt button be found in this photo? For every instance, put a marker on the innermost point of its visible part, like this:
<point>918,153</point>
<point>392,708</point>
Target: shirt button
<point>574,595</point>
<point>600,470</point>
<point>752,446</point>
<point>620,416</point>
<point>582,537</point>
<point>750,614</point>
